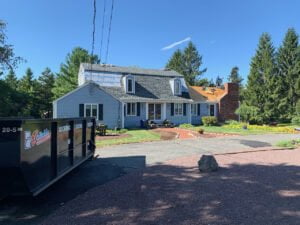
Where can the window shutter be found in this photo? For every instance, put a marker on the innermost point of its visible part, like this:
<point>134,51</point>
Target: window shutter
<point>172,109</point>
<point>198,111</point>
<point>81,110</point>
<point>138,105</point>
<point>100,112</point>
<point>125,109</point>
<point>184,109</point>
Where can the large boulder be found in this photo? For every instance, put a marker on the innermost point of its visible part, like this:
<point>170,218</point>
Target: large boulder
<point>208,163</point>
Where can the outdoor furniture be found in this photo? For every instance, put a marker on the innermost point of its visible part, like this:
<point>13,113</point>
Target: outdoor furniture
<point>101,129</point>
<point>150,124</point>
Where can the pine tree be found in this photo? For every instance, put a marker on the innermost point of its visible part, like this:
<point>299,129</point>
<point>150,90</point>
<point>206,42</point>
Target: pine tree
<point>192,62</point>
<point>219,81</point>
<point>45,96</point>
<point>288,62</point>
<point>11,80</point>
<point>234,76</point>
<point>28,88</point>
<point>187,63</point>
<point>67,78</point>
<point>176,62</point>
<point>259,92</point>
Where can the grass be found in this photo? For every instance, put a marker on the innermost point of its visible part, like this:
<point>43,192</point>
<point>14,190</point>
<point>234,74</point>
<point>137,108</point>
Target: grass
<point>251,129</point>
<point>135,136</point>
<point>289,143</point>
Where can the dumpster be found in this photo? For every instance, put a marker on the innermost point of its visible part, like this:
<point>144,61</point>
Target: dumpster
<point>36,153</point>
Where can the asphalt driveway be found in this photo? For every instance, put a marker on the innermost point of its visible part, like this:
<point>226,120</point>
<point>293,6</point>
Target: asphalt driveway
<point>161,151</point>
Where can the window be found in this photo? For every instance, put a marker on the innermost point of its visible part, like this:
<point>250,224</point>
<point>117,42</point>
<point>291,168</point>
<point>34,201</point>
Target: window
<point>194,109</point>
<point>130,85</point>
<point>178,109</point>
<point>91,110</point>
<point>212,110</point>
<point>154,111</point>
<point>131,109</point>
<point>177,87</point>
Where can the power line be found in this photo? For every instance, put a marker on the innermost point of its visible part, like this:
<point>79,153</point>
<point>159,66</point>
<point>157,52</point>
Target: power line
<point>93,38</point>
<point>102,29</point>
<point>94,29</point>
<point>109,30</point>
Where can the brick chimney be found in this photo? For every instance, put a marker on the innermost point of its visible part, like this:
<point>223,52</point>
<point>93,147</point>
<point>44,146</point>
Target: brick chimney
<point>229,103</point>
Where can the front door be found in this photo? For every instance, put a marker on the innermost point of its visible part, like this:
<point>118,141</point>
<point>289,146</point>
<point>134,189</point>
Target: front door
<point>154,111</point>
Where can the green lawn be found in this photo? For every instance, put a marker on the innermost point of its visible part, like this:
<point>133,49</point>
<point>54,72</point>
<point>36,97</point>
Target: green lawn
<point>289,143</point>
<point>252,129</point>
<point>135,137</point>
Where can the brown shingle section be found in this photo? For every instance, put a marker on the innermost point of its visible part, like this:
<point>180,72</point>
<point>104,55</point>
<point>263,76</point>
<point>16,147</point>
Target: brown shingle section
<point>212,94</point>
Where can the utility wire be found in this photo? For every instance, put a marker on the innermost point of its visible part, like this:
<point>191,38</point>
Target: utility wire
<point>102,29</point>
<point>93,37</point>
<point>109,30</point>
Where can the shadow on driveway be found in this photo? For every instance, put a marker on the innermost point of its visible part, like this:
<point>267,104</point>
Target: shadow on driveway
<point>29,211</point>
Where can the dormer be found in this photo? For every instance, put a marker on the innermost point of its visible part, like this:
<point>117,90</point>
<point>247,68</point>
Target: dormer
<point>177,87</point>
<point>129,84</point>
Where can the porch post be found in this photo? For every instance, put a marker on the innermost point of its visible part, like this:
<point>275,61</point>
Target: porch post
<point>164,111</point>
<point>123,117</point>
<point>147,116</point>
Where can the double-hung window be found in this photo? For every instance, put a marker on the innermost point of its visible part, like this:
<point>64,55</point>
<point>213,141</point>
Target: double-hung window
<point>91,110</point>
<point>194,109</point>
<point>177,87</point>
<point>131,109</point>
<point>130,85</point>
<point>178,109</point>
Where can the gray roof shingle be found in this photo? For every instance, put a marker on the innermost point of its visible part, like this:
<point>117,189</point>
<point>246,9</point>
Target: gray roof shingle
<point>148,89</point>
<point>130,70</point>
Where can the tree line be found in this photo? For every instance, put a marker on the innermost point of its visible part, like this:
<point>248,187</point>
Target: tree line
<point>272,90</point>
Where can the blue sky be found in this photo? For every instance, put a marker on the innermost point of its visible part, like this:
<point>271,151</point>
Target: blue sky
<point>225,32</point>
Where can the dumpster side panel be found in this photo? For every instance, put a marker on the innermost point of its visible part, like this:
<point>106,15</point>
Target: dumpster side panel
<point>63,140</point>
<point>78,141</point>
<point>36,153</point>
<point>10,133</point>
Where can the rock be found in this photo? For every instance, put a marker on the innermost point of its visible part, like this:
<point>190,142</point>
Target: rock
<point>208,163</point>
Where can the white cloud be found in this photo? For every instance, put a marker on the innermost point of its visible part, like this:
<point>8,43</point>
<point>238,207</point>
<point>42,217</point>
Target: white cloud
<point>175,44</point>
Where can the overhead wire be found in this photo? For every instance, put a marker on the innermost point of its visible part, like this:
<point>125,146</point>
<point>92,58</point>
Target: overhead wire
<point>109,30</point>
<point>93,36</point>
<point>102,29</point>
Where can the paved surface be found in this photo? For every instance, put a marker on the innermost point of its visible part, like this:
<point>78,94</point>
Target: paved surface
<point>158,152</point>
<point>250,188</point>
<point>116,161</point>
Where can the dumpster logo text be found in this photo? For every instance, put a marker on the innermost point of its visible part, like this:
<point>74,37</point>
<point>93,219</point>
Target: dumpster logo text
<point>36,138</point>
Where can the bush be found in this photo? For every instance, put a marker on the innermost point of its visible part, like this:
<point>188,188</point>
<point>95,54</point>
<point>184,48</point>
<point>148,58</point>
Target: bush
<point>249,114</point>
<point>209,120</point>
<point>232,122</point>
<point>186,125</point>
<point>201,131</point>
<point>122,131</point>
<point>296,120</point>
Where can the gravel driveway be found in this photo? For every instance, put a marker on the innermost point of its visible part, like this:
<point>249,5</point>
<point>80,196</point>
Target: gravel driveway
<point>250,188</point>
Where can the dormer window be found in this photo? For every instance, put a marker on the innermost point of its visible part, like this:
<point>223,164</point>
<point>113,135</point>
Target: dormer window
<point>130,84</point>
<point>177,87</point>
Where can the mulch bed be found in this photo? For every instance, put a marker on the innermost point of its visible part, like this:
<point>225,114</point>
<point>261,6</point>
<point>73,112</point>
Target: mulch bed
<point>112,136</point>
<point>165,135</point>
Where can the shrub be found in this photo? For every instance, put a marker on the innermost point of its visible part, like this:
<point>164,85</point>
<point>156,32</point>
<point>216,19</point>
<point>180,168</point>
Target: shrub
<point>122,131</point>
<point>186,125</point>
<point>209,120</point>
<point>201,131</point>
<point>232,122</point>
<point>249,114</point>
<point>296,120</point>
